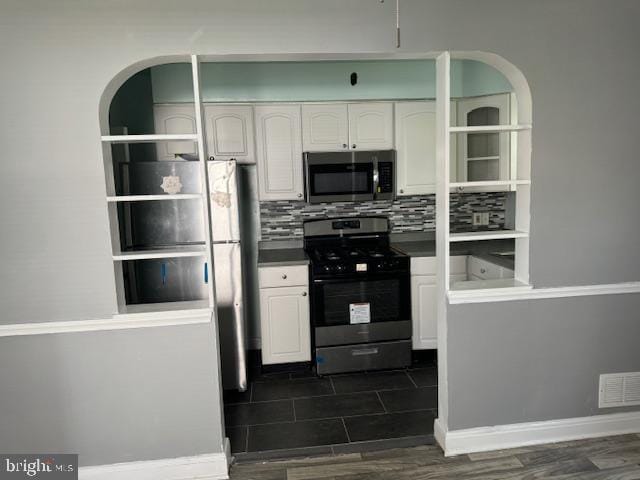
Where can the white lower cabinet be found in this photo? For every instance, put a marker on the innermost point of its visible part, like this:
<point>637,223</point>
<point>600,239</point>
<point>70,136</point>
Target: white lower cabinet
<point>284,316</point>
<point>424,298</point>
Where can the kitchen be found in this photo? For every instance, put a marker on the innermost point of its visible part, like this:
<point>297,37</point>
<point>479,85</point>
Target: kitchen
<point>269,127</point>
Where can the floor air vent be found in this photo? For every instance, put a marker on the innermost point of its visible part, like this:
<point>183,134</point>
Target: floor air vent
<point>619,390</point>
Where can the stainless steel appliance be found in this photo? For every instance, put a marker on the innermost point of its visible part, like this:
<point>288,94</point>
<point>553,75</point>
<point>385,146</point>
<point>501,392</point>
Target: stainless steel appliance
<point>360,295</point>
<point>169,223</point>
<point>157,225</point>
<point>350,176</point>
<point>227,259</point>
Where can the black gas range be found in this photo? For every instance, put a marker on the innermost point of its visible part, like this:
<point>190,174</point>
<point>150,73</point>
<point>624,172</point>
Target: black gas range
<point>360,295</point>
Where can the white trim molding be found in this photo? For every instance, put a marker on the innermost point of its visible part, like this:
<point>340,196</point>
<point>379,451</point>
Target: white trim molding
<point>202,467</point>
<point>117,322</point>
<point>512,294</point>
<point>483,439</point>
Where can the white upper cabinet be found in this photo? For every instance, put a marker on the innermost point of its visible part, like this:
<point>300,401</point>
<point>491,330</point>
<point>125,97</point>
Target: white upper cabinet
<point>484,156</point>
<point>174,119</point>
<point>229,131</point>
<point>370,126</point>
<point>279,152</point>
<point>416,147</point>
<point>325,127</point>
<point>415,127</point>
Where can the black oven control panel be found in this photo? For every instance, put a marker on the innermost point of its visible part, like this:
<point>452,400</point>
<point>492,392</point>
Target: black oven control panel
<point>345,224</point>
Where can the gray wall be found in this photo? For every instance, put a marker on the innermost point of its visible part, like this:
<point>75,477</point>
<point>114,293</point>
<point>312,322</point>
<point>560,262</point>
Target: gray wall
<point>580,58</point>
<point>537,360</point>
<point>112,397</point>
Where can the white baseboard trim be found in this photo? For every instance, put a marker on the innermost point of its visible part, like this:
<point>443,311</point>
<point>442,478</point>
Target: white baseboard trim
<point>483,439</point>
<point>212,466</point>
<point>508,295</point>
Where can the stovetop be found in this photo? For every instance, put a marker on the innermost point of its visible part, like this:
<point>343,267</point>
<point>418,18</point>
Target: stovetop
<point>356,260</point>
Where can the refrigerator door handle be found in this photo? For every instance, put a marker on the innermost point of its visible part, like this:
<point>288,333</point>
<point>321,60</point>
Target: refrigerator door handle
<point>206,272</point>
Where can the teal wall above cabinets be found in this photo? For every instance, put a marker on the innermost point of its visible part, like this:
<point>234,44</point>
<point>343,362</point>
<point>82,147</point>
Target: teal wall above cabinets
<point>321,81</point>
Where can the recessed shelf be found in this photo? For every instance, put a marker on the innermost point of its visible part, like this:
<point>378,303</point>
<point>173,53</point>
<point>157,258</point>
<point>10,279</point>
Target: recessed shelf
<point>490,128</point>
<point>145,198</point>
<point>191,308</point>
<point>489,183</point>
<point>148,138</point>
<point>492,157</point>
<point>486,235</point>
<point>175,252</point>
<point>486,290</point>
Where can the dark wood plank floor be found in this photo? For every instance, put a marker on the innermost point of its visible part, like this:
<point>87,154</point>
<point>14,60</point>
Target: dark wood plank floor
<point>611,458</point>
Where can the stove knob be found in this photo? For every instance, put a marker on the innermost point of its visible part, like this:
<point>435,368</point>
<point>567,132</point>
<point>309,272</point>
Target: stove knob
<point>380,265</point>
<point>327,268</point>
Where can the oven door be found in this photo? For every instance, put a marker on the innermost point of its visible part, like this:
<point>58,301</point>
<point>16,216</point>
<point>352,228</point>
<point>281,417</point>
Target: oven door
<point>369,300</point>
<point>335,177</point>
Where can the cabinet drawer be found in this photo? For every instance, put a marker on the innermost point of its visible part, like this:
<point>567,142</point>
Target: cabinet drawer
<point>429,265</point>
<point>483,269</point>
<point>283,276</point>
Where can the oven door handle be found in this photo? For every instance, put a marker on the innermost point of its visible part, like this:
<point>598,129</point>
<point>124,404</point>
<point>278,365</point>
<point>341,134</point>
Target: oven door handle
<point>366,277</point>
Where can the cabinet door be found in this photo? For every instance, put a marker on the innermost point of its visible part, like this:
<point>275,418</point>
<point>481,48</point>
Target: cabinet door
<point>416,147</point>
<point>174,119</point>
<point>324,127</point>
<point>484,156</point>
<point>371,126</point>
<point>424,312</point>
<point>279,152</point>
<point>230,132</point>
<point>285,325</point>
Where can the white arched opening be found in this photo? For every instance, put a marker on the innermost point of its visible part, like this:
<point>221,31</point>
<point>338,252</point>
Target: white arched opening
<point>519,128</point>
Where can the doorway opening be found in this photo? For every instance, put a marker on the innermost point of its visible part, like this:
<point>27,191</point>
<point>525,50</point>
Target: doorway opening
<point>200,205</point>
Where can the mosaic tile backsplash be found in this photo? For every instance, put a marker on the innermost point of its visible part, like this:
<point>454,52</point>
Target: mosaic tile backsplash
<point>283,219</point>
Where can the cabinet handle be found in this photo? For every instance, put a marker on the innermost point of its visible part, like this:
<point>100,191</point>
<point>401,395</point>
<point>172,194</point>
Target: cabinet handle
<point>483,270</point>
<point>344,145</point>
<point>299,195</point>
<point>401,190</point>
<point>353,146</point>
<point>304,294</point>
<point>284,276</point>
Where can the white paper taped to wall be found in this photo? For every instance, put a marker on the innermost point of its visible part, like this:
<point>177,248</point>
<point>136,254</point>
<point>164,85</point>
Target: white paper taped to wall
<point>359,313</point>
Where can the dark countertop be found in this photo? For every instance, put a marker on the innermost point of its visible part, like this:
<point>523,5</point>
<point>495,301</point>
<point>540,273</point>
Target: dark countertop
<point>279,253</point>
<point>277,257</point>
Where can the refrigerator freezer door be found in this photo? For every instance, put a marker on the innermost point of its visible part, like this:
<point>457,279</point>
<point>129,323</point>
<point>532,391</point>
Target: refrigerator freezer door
<point>223,191</point>
<point>230,310</point>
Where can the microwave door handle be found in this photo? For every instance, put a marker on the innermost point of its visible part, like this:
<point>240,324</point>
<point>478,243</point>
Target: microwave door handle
<point>376,179</point>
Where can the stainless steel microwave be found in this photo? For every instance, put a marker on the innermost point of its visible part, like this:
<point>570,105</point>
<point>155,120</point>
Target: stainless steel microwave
<point>350,176</point>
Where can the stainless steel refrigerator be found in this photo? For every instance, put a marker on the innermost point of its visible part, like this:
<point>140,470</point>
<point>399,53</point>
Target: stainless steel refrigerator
<point>227,259</point>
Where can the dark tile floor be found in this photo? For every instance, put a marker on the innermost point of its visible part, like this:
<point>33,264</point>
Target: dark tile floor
<point>297,412</point>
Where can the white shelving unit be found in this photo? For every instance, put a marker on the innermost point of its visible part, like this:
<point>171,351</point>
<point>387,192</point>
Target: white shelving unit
<point>147,198</point>
<point>148,138</point>
<point>175,309</point>
<point>519,130</point>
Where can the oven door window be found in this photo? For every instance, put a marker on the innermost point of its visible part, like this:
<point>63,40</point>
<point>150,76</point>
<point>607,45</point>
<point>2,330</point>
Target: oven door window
<point>341,179</point>
<point>388,300</point>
